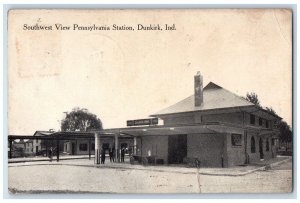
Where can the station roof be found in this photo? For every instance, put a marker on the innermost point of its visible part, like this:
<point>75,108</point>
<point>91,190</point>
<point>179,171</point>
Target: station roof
<point>214,97</point>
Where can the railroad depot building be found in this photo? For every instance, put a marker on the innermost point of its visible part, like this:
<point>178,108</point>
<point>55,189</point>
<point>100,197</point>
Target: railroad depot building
<point>214,125</point>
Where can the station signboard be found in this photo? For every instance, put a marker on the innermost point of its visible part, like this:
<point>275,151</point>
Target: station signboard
<point>148,121</point>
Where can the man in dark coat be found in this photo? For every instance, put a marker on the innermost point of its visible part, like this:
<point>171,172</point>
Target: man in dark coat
<point>111,155</point>
<point>51,154</point>
<point>122,154</point>
<point>103,156</point>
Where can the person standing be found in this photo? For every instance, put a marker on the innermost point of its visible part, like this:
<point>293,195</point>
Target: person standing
<point>111,155</point>
<point>122,154</point>
<point>103,156</point>
<point>51,154</point>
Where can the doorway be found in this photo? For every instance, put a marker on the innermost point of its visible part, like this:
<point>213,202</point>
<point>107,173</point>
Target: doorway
<point>177,148</point>
<point>261,151</point>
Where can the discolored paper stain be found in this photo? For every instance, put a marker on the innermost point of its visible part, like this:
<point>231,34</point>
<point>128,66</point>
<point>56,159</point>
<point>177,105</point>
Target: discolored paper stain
<point>37,56</point>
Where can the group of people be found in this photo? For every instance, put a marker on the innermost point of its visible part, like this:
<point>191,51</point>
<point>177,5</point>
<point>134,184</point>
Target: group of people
<point>111,152</point>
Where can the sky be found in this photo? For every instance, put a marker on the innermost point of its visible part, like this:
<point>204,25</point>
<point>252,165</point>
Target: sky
<point>123,75</point>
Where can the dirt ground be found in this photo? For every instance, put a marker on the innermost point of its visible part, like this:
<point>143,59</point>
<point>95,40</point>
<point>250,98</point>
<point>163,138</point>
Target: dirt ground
<point>67,178</point>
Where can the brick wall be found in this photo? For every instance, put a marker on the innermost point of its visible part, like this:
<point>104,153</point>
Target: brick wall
<point>183,119</point>
<point>235,154</point>
<point>190,118</point>
<point>208,148</point>
<point>236,118</point>
<point>255,157</point>
<point>247,121</point>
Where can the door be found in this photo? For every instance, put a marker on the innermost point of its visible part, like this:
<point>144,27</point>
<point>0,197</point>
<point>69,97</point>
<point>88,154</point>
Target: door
<point>177,148</point>
<point>261,151</point>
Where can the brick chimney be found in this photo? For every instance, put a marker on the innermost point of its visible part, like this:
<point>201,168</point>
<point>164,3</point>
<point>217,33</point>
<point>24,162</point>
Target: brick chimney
<point>198,89</point>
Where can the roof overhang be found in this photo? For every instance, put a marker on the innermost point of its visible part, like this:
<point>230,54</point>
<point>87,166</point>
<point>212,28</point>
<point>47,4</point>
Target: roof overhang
<point>65,135</point>
<point>157,130</point>
<point>162,130</point>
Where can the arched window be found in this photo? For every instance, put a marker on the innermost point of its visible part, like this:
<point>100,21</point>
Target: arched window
<point>267,145</point>
<point>252,145</point>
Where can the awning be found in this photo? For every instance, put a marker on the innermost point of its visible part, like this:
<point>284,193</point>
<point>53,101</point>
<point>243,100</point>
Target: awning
<point>175,130</point>
<point>158,130</point>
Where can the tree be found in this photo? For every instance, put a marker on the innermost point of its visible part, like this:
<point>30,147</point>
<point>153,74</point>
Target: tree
<point>271,110</point>
<point>81,120</point>
<point>285,135</point>
<point>252,97</point>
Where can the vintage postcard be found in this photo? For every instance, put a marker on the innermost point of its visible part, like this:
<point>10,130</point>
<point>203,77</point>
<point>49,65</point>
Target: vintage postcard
<point>150,101</point>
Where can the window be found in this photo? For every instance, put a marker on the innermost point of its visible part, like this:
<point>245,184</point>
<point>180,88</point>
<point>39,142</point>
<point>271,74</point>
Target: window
<point>83,147</point>
<point>267,145</point>
<point>267,124</point>
<point>93,147</point>
<point>253,145</point>
<point>36,141</point>
<point>260,121</point>
<point>236,140</point>
<point>252,119</point>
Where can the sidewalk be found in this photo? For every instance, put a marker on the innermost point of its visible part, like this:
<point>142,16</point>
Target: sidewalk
<point>233,171</point>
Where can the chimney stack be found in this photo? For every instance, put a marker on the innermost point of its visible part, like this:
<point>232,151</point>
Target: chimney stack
<point>198,89</point>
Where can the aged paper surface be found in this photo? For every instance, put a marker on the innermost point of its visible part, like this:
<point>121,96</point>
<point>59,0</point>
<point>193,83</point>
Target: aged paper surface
<point>129,64</point>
